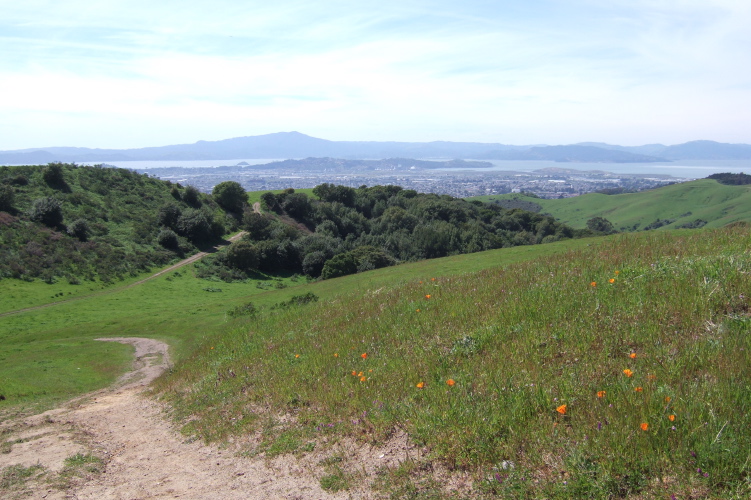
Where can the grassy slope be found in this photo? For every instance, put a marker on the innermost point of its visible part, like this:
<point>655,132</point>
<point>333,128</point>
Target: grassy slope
<point>704,199</point>
<point>175,308</point>
<point>529,347</point>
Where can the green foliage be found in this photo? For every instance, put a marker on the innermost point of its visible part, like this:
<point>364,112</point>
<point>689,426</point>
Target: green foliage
<point>7,197</point>
<point>230,195</point>
<point>192,196</point>
<point>117,215</point>
<point>47,211</point>
<point>79,229</point>
<point>600,225</point>
<point>242,255</point>
<point>168,239</point>
<point>195,225</point>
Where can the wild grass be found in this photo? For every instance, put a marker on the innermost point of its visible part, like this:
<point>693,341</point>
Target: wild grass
<point>49,354</point>
<point>515,374</point>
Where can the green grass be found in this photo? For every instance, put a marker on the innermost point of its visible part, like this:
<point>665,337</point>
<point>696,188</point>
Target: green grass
<point>49,354</point>
<point>704,199</point>
<point>520,341</point>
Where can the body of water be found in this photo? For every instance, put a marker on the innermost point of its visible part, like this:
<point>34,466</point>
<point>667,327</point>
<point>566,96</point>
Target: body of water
<point>684,169</point>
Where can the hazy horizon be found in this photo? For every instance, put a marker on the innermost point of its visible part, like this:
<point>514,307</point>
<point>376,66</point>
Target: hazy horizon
<point>137,74</point>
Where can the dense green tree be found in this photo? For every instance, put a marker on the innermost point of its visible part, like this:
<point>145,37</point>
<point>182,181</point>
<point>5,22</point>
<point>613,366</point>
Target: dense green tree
<point>168,215</point>
<point>339,265</point>
<point>53,175</point>
<point>192,196</point>
<point>230,195</point>
<point>194,225</point>
<point>257,225</point>
<point>270,202</point>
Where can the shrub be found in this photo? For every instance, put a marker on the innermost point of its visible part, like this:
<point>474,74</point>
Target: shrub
<point>53,175</point>
<point>79,228</point>
<point>194,225</point>
<point>7,197</point>
<point>191,196</point>
<point>168,239</point>
<point>243,255</point>
<point>168,215</point>
<point>48,211</point>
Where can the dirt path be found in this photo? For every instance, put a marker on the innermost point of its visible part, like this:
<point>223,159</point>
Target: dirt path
<point>180,264</point>
<point>126,449</point>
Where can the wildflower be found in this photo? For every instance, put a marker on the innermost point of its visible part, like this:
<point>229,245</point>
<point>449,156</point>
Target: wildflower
<point>594,283</point>
<point>638,389</point>
<point>561,409</point>
<point>212,348</point>
<point>611,280</point>
<point>600,394</point>
<point>617,273</point>
<point>451,382</point>
<point>427,296</point>
<point>364,355</point>
<point>632,355</point>
<point>644,426</point>
<point>432,279</point>
<point>359,374</point>
<point>354,373</point>
<point>628,372</point>
<point>651,376</point>
<point>420,385</point>
<point>363,378</point>
<point>417,310</point>
<point>667,399</point>
<point>336,354</point>
<point>297,355</point>
<point>671,418</point>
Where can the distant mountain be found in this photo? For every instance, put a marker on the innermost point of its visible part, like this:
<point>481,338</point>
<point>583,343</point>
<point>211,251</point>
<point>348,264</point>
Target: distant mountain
<point>285,145</point>
<point>573,153</point>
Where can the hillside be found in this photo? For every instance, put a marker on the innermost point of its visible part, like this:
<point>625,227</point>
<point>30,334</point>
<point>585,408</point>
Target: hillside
<point>63,221</point>
<point>617,370</point>
<point>671,206</point>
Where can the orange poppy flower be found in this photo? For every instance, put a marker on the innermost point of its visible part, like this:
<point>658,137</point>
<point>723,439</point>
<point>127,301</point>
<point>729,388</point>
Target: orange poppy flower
<point>420,385</point>
<point>638,389</point>
<point>359,374</point>
<point>667,399</point>
<point>364,355</point>
<point>297,355</point>
<point>600,394</point>
<point>611,280</point>
<point>632,355</point>
<point>628,372</point>
<point>432,279</point>
<point>617,273</point>
<point>363,379</point>
<point>594,283</point>
<point>417,310</point>
<point>354,373</point>
<point>451,382</point>
<point>561,409</point>
<point>336,354</point>
<point>644,426</point>
<point>427,296</point>
<point>671,417</point>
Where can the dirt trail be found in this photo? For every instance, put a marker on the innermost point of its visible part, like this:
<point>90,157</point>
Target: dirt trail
<point>141,456</point>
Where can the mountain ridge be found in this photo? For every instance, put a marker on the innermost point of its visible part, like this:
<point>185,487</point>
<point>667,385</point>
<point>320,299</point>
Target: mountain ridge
<point>298,145</point>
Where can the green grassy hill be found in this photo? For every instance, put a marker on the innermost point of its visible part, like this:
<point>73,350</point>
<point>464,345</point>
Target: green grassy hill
<point>615,370</point>
<point>684,203</point>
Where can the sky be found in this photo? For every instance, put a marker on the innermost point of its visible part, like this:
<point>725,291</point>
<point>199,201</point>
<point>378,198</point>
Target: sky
<point>137,73</point>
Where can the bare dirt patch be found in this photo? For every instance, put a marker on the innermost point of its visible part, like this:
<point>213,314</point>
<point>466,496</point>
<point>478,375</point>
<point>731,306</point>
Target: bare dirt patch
<point>141,454</point>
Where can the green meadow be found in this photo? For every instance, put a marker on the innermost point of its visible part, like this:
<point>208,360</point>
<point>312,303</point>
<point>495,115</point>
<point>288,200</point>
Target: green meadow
<point>612,367</point>
<point>683,203</point>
